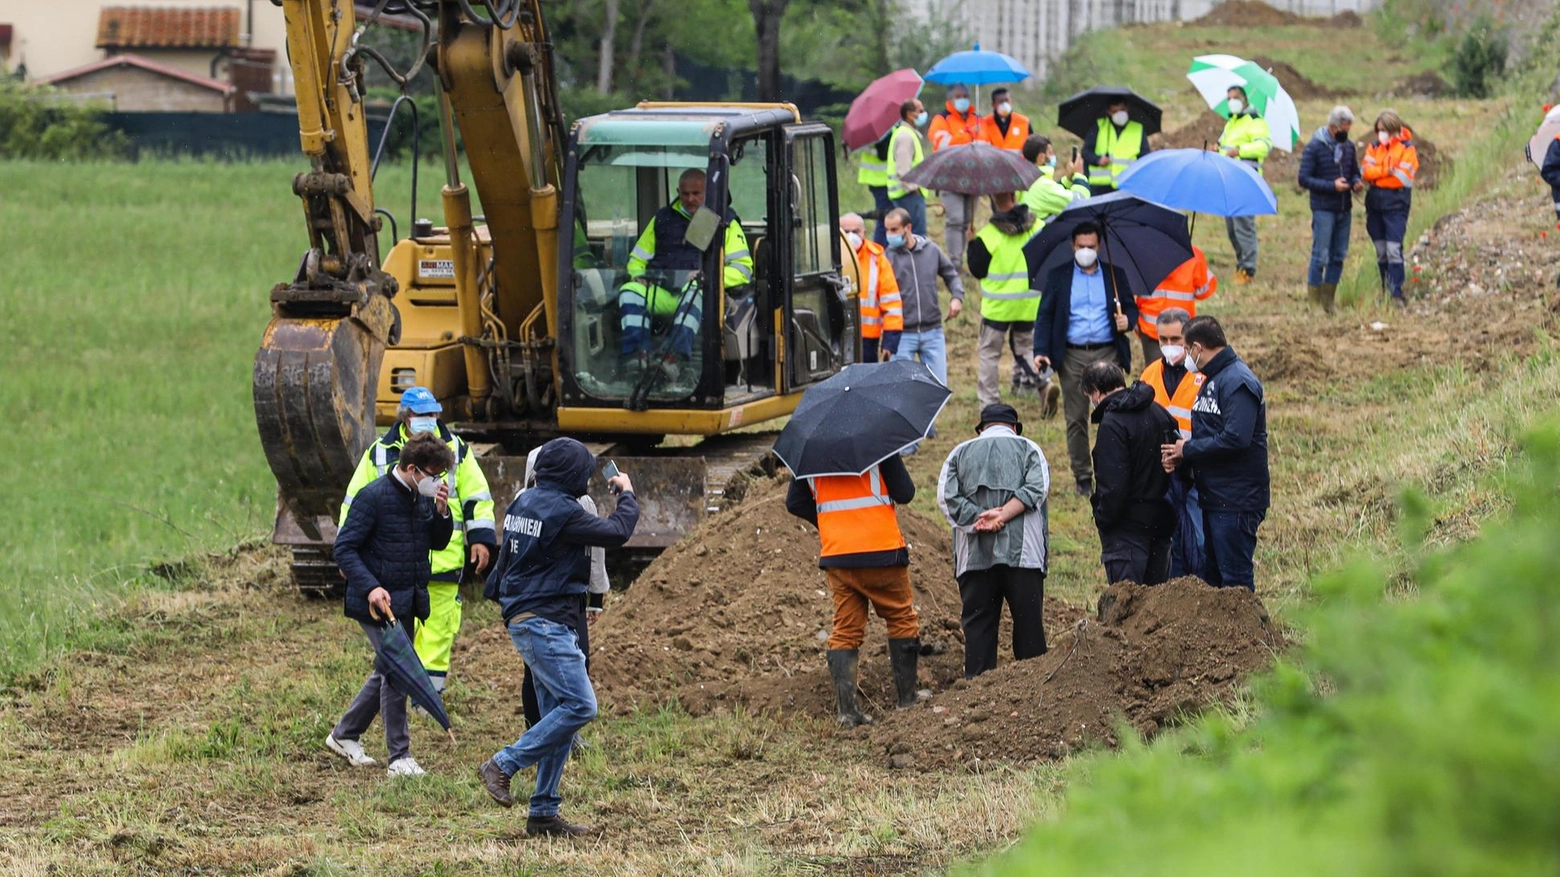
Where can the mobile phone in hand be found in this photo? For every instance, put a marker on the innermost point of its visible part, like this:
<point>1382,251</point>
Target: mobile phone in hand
<point>609,472</point>
<point>1075,153</point>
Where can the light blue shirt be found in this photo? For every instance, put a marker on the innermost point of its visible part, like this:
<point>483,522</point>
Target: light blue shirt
<point>1088,321</point>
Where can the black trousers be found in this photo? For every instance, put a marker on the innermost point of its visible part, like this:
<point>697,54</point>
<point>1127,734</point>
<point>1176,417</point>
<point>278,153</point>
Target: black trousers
<point>1134,555</point>
<point>983,592</point>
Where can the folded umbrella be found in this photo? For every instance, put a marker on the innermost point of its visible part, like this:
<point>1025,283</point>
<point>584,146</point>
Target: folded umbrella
<point>1200,181</point>
<point>1145,240</point>
<point>974,169</point>
<point>876,109</point>
<point>977,67</point>
<point>1538,146</point>
<point>860,417</point>
<point>397,661</point>
<point>1215,75</point>
<point>1081,113</point>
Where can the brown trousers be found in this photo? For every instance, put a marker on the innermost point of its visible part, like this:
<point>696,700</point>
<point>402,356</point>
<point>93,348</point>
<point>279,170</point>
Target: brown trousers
<point>886,589</point>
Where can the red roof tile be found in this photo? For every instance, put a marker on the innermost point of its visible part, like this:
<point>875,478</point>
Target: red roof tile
<point>144,64</point>
<point>163,27</point>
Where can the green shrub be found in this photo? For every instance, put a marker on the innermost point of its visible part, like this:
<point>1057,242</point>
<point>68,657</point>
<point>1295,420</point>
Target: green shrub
<point>35,123</point>
<point>1480,59</point>
<point>1416,735</point>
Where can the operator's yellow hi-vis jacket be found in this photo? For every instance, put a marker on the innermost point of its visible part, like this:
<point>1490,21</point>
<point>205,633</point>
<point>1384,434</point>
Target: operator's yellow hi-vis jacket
<point>471,503</point>
<point>736,260</point>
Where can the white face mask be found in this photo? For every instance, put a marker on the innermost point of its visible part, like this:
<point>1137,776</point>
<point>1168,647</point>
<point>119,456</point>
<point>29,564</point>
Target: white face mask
<point>1383,137</point>
<point>1004,109</point>
<point>1191,364</point>
<point>1086,257</point>
<point>1173,353</point>
<point>854,239</point>
<point>1235,105</point>
<point>429,486</point>
<point>1119,117</point>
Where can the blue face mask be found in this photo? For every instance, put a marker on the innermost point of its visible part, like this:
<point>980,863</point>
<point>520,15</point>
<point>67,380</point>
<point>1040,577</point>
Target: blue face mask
<point>897,241</point>
<point>1051,162</point>
<point>920,121</point>
<point>423,424</point>
<point>961,104</point>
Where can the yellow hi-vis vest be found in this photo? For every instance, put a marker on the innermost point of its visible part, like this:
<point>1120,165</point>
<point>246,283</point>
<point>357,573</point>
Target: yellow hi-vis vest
<point>1005,292</point>
<point>874,170</point>
<point>896,189</point>
<point>1123,149</point>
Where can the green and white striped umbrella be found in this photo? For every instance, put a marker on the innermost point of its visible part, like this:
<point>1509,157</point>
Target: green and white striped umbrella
<point>1215,75</point>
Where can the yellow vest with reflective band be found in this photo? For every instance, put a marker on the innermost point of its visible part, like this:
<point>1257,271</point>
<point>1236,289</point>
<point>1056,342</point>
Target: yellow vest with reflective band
<point>1123,149</point>
<point>1179,405</point>
<point>1006,294</point>
<point>1250,136</point>
<point>471,502</point>
<point>855,514</point>
<point>874,170</point>
<point>895,188</point>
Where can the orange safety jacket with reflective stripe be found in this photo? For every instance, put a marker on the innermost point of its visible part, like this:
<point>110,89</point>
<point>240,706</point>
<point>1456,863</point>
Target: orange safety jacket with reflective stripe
<point>1018,131</point>
<point>1393,166</point>
<point>1184,288</point>
<point>1179,405</point>
<point>952,129</point>
<point>881,310</point>
<point>855,514</point>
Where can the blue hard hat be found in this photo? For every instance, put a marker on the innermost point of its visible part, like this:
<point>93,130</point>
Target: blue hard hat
<point>419,400</point>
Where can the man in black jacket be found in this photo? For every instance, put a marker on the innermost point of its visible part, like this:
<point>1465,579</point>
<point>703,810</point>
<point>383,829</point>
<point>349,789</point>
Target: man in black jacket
<point>540,580</point>
<point>1227,453</point>
<point>1134,518</point>
<point>382,549</point>
<point>1086,311</point>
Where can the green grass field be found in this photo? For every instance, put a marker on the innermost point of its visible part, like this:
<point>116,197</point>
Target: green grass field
<point>155,723</point>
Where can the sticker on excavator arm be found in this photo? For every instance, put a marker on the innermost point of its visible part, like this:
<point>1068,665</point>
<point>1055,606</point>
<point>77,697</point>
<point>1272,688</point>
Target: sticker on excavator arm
<point>430,269</point>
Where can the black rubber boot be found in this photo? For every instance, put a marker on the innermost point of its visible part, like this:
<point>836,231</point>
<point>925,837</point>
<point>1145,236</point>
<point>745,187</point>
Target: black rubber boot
<point>903,656</point>
<point>1329,295</point>
<point>842,668</point>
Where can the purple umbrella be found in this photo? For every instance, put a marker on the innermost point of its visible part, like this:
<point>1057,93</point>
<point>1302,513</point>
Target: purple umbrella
<point>974,169</point>
<point>876,109</point>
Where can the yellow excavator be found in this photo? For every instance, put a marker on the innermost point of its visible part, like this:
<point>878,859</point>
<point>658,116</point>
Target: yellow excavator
<point>513,318</point>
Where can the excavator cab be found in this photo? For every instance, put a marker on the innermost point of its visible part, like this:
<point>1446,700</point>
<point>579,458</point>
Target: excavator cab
<point>701,344</point>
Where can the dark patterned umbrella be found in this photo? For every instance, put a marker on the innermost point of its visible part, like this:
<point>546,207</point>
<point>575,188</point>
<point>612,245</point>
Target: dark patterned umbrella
<point>974,169</point>
<point>397,661</point>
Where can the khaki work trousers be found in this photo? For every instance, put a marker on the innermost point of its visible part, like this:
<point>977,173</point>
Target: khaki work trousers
<point>1075,406</point>
<point>886,589</point>
<point>993,343</point>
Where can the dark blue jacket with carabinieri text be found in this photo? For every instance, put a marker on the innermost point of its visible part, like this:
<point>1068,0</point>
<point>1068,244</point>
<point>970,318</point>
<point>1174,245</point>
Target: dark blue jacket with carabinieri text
<point>1228,447</point>
<point>384,543</point>
<point>543,565</point>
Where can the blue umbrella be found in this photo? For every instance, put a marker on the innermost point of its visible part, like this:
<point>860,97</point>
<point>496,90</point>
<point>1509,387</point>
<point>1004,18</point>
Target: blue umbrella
<point>1200,181</point>
<point>977,67</point>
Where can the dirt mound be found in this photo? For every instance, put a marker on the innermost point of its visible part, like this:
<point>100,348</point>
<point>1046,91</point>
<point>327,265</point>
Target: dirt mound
<point>1346,19</point>
<point>738,614</point>
<point>1432,162</point>
<point>1426,84</point>
<point>1299,86</point>
<point>1150,654</point>
<point>1247,13</point>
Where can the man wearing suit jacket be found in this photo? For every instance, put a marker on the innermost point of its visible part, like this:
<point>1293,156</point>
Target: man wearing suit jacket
<point>1086,312</point>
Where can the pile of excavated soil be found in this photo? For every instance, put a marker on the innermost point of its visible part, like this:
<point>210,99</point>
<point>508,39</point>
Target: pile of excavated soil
<point>1297,84</point>
<point>1346,19</point>
<point>738,613</point>
<point>1150,655</point>
<point>1426,84</point>
<point>1279,167</point>
<point>1248,13</point>
<point>1432,162</point>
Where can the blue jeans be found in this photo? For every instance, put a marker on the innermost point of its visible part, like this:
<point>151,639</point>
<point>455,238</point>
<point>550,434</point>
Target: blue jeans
<point>915,204</point>
<point>1230,542</point>
<point>929,347</point>
<point>1329,245</point>
<point>567,702</point>
<point>1386,229</point>
<point>882,205</point>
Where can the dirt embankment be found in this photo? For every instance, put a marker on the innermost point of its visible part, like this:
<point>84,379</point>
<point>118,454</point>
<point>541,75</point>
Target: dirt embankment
<point>1251,13</point>
<point>738,614</point>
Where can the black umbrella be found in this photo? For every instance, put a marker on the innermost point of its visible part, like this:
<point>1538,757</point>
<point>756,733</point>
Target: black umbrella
<point>1143,239</point>
<point>1081,113</point>
<point>860,417</point>
<point>974,169</point>
<point>397,661</point>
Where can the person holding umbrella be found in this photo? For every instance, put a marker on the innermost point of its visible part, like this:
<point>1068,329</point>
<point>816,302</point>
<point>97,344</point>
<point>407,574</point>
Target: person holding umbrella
<point>1246,137</point>
<point>383,551</point>
<point>957,125</point>
<point>1388,169</point>
<point>1085,314</point>
<point>904,153</point>
<point>1118,141</point>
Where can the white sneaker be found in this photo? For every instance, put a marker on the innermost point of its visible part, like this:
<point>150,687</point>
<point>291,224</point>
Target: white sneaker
<point>351,750</point>
<point>406,766</point>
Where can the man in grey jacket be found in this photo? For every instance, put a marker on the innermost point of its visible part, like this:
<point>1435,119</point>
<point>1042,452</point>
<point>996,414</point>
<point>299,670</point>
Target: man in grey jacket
<point>993,480</point>
<point>917,264</point>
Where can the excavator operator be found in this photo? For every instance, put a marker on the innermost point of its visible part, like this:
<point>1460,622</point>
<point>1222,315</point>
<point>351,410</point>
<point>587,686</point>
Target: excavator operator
<point>649,303</point>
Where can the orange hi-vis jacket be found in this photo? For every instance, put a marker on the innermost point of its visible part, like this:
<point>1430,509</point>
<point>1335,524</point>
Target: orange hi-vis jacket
<point>855,514</point>
<point>881,310</point>
<point>1392,166</point>
<point>1184,288</point>
<point>1179,405</point>
<point>1018,131</point>
<point>952,129</point>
